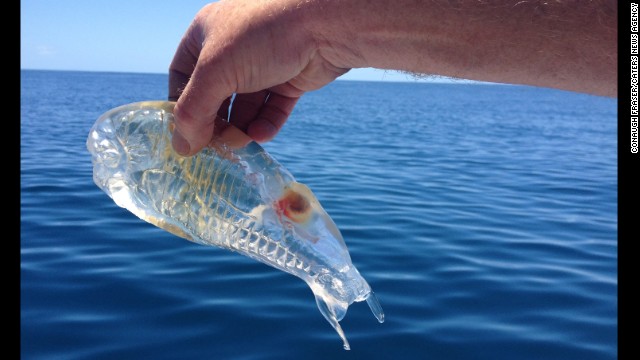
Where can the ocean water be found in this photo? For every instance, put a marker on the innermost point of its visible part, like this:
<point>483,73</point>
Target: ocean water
<point>483,216</point>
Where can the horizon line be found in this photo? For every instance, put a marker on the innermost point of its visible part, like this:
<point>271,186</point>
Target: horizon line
<point>430,79</point>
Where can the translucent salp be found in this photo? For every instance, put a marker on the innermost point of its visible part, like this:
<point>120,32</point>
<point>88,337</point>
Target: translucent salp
<point>239,199</point>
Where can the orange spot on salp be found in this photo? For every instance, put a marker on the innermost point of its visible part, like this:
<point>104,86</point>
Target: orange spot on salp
<point>294,206</point>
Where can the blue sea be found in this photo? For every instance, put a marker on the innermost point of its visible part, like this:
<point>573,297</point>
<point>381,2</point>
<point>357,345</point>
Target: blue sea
<point>483,216</point>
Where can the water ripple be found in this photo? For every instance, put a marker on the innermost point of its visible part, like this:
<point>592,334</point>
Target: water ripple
<point>484,218</point>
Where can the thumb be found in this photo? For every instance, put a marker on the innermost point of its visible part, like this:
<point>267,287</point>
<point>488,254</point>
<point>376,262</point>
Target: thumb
<point>195,81</point>
<point>196,109</point>
<point>200,68</point>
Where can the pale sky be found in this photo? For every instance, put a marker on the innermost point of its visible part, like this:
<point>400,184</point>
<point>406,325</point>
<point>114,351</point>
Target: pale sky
<point>117,35</point>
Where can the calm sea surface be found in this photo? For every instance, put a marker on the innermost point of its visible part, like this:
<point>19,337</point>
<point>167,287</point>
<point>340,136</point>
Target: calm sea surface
<point>483,216</point>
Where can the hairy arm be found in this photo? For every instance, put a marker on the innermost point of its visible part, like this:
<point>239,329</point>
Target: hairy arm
<point>569,45</point>
<point>270,52</point>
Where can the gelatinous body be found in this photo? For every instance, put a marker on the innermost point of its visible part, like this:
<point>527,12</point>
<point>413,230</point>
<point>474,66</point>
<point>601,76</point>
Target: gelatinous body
<point>238,199</point>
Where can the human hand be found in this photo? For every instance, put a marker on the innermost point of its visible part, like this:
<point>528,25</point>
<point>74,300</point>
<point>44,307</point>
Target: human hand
<point>270,52</point>
<point>262,51</point>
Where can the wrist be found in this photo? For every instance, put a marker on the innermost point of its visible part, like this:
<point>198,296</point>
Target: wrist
<point>370,33</point>
<point>333,26</point>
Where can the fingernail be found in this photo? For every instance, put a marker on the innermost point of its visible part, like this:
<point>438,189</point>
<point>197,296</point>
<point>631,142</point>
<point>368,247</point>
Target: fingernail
<point>180,144</point>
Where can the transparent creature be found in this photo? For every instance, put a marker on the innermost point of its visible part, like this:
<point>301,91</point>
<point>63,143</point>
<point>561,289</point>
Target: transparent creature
<point>239,199</point>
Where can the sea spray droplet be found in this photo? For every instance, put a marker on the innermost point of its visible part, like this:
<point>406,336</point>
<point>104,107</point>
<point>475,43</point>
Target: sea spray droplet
<point>238,199</point>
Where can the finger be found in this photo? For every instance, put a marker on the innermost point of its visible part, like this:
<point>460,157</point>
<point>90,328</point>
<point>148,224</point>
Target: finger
<point>182,146</point>
<point>196,109</point>
<point>197,82</point>
<point>177,82</point>
<point>272,116</point>
<point>180,70</point>
<point>184,61</point>
<point>246,108</point>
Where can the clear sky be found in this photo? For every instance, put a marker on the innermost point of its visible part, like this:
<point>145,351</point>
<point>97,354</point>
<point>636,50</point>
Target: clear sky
<point>117,35</point>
